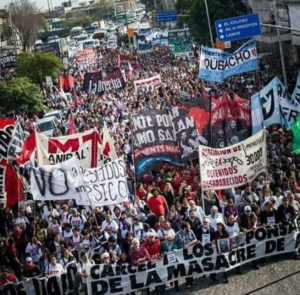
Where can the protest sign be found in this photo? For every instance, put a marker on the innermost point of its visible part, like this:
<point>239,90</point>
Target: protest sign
<point>58,182</point>
<point>154,139</point>
<point>230,120</point>
<point>152,82</point>
<point>106,185</point>
<point>194,262</point>
<point>265,105</point>
<point>216,65</point>
<point>191,126</point>
<point>52,47</point>
<point>53,150</point>
<point>235,165</point>
<point>8,61</point>
<point>103,81</point>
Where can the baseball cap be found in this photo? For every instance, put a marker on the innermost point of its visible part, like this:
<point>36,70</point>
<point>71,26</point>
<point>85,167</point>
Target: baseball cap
<point>28,259</point>
<point>247,208</point>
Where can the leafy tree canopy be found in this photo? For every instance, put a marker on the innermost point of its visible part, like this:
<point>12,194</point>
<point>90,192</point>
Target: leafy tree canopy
<point>36,66</point>
<point>197,19</point>
<point>20,95</point>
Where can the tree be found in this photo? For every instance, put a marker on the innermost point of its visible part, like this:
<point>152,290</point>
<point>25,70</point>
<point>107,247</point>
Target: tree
<point>149,4</point>
<point>36,66</point>
<point>20,95</point>
<point>26,19</point>
<point>197,19</point>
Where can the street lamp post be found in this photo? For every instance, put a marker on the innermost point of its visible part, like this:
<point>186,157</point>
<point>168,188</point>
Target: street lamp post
<point>209,26</point>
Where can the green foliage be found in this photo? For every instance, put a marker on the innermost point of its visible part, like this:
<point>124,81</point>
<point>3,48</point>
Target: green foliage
<point>149,4</point>
<point>197,19</point>
<point>20,95</point>
<point>36,66</point>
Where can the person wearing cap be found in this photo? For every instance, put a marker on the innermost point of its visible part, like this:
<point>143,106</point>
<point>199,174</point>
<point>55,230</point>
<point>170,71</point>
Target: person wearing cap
<point>187,193</point>
<point>31,270</point>
<point>105,258</point>
<point>248,220</point>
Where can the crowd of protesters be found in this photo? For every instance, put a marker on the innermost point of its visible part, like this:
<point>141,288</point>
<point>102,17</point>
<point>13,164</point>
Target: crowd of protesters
<point>167,210</point>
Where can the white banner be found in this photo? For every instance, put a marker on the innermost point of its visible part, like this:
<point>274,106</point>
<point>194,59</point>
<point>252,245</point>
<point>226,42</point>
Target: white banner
<point>194,262</point>
<point>54,150</point>
<point>235,165</point>
<point>153,82</point>
<point>107,185</point>
<point>59,182</point>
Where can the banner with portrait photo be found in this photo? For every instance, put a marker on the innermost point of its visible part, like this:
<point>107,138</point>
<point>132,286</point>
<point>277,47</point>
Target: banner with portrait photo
<point>230,120</point>
<point>191,123</point>
<point>235,165</point>
<point>216,65</point>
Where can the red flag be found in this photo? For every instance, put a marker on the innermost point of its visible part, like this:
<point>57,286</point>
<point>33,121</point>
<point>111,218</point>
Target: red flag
<point>13,184</point>
<point>72,128</point>
<point>27,149</point>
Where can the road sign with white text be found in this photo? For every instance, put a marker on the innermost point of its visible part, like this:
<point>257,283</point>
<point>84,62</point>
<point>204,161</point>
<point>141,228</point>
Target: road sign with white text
<point>237,28</point>
<point>166,16</point>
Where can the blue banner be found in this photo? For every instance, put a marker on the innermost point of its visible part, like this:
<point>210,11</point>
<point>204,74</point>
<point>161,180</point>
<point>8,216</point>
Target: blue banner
<point>265,108</point>
<point>144,46</point>
<point>216,65</point>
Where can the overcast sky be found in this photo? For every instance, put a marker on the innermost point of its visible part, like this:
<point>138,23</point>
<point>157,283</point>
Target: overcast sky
<point>40,3</point>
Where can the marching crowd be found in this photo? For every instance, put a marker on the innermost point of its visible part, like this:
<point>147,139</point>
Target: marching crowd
<point>167,210</point>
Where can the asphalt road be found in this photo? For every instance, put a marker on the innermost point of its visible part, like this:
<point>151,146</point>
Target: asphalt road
<point>276,276</point>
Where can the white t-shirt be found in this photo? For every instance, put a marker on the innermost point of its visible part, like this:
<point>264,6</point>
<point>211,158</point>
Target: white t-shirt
<point>216,219</point>
<point>161,233</point>
<point>83,267</point>
<point>233,231</point>
<point>35,252</point>
<point>113,225</point>
<point>54,270</point>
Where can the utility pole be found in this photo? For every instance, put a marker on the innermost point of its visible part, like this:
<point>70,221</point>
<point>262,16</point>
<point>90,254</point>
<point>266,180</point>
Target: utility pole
<point>280,44</point>
<point>209,26</point>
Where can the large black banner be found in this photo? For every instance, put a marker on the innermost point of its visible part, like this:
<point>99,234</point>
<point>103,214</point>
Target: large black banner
<point>8,61</point>
<point>103,81</point>
<point>191,126</point>
<point>154,140</point>
<point>170,135</point>
<point>53,47</point>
